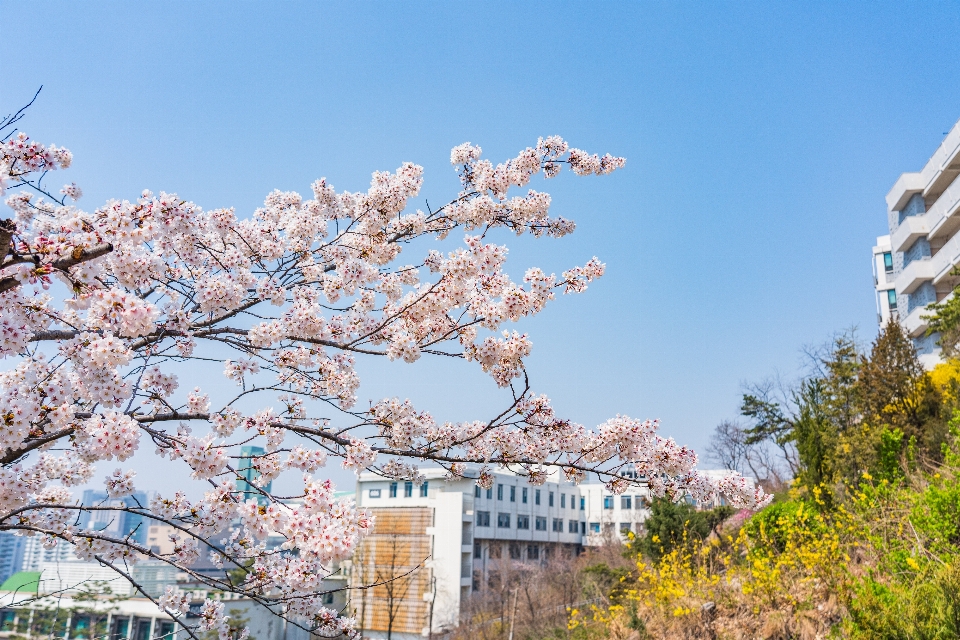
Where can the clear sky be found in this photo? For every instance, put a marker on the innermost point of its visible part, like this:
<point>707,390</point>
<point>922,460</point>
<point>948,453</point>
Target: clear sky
<point>761,139</point>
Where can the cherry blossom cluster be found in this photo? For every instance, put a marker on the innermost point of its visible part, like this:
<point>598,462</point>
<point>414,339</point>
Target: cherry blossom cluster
<point>107,319</point>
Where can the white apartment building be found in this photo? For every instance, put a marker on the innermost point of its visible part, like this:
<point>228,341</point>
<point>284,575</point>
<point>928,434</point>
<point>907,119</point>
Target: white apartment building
<point>923,215</point>
<point>883,280</point>
<point>441,540</point>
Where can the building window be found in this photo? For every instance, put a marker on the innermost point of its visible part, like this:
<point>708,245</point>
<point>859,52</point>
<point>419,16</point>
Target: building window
<point>423,489</point>
<point>540,524</point>
<point>536,496</point>
<point>573,526</point>
<point>513,494</point>
<point>626,527</point>
<point>563,501</point>
<point>573,501</point>
<point>494,552</point>
<point>407,489</point>
<point>888,262</point>
<point>477,550</point>
<point>523,522</point>
<point>328,597</point>
<point>558,525</point>
<point>594,527</point>
<point>583,503</point>
<point>483,518</point>
<point>503,520</point>
<point>608,502</point>
<point>626,502</point>
<point>583,528</point>
<point>476,491</point>
<point>374,493</point>
<point>167,628</point>
<point>638,502</point>
<point>892,298</point>
<point>533,552</point>
<point>490,493</point>
<point>499,492</point>
<point>515,551</point>
<point>523,495</point>
<point>393,489</point>
<point>550,499</point>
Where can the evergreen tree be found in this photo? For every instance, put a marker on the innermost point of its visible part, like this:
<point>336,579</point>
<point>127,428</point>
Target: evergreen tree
<point>897,394</point>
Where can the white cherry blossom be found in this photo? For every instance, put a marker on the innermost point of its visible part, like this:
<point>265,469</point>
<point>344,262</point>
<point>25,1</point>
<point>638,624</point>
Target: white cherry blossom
<point>108,319</point>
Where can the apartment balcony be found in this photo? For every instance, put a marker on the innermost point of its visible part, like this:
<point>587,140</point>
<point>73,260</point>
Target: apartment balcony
<point>915,274</point>
<point>910,230</point>
<point>942,217</point>
<point>914,324</point>
<point>936,175</point>
<point>943,262</point>
<point>903,189</point>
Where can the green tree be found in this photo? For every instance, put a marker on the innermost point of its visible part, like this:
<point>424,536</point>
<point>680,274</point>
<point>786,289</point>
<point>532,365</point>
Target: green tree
<point>897,394</point>
<point>673,523</point>
<point>945,320</point>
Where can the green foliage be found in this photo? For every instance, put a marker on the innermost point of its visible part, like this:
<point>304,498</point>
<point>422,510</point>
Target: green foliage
<point>672,524</point>
<point>776,525</point>
<point>606,579</point>
<point>926,609</point>
<point>889,466</point>
<point>945,320</point>
<point>814,433</point>
<point>866,544</point>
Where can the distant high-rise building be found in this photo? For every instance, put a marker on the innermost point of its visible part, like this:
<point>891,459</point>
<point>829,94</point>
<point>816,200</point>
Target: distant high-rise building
<point>11,554</point>
<point>914,265</point>
<point>35,555</point>
<point>249,473</point>
<point>117,523</point>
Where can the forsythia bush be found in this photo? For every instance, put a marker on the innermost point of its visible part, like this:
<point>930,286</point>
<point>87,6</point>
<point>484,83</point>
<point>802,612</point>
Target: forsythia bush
<point>877,560</point>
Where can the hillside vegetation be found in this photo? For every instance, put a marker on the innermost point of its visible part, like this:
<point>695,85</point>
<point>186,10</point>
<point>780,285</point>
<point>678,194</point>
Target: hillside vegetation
<point>864,542</point>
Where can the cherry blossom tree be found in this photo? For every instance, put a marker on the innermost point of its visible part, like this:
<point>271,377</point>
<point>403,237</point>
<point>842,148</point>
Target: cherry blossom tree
<point>103,314</point>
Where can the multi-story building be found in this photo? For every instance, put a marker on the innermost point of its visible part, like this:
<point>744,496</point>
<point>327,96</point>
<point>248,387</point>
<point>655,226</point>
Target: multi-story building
<point>923,215</point>
<point>246,483</point>
<point>35,554</point>
<point>11,554</point>
<point>435,543</point>
<point>116,523</point>
<point>883,280</point>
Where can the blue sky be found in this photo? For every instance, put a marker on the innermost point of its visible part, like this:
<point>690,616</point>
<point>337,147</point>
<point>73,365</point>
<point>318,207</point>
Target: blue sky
<point>760,138</point>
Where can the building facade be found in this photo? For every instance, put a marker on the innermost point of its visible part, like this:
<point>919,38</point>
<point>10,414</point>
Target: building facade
<point>883,283</point>
<point>11,554</point>
<point>435,543</point>
<point>923,215</point>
